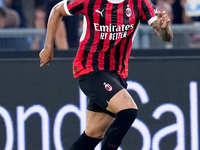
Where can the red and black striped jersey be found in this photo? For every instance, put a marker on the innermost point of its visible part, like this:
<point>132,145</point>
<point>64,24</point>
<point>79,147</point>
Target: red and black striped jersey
<point>108,30</point>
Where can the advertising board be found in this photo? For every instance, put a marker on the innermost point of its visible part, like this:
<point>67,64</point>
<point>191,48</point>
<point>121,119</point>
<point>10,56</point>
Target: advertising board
<point>43,108</point>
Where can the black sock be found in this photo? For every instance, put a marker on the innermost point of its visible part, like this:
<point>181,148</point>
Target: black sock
<point>85,142</point>
<point>118,129</point>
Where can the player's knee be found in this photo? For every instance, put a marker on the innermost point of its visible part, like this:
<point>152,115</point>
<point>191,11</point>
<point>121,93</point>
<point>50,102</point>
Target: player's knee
<point>130,114</point>
<point>94,133</point>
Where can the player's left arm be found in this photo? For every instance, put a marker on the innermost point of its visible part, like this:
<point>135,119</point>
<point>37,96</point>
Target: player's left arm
<point>161,26</point>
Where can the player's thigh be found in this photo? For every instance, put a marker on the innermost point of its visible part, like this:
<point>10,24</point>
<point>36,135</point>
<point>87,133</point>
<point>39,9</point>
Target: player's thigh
<point>97,123</point>
<point>120,101</point>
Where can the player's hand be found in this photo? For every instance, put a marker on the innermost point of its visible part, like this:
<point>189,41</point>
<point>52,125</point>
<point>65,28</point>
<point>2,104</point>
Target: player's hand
<point>163,19</point>
<point>45,56</point>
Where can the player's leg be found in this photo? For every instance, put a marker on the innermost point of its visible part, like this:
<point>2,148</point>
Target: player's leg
<point>107,91</point>
<point>97,124</point>
<point>125,109</point>
<point>96,120</point>
<point>120,101</point>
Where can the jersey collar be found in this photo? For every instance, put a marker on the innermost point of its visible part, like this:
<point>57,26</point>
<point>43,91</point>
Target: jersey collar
<point>115,1</point>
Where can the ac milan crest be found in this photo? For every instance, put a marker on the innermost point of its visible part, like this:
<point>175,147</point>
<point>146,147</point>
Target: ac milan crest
<point>108,87</point>
<point>128,11</point>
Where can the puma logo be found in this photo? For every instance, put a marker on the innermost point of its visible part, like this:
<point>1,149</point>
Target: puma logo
<point>155,11</point>
<point>100,12</point>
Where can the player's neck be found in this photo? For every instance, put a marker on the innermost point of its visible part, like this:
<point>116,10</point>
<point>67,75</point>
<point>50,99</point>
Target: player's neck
<point>115,1</point>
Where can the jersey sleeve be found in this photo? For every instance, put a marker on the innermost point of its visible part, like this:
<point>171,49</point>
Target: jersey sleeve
<point>74,7</point>
<point>149,11</point>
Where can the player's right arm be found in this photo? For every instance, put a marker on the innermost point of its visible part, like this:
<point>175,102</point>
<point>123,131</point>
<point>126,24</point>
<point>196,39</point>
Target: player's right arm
<point>54,21</point>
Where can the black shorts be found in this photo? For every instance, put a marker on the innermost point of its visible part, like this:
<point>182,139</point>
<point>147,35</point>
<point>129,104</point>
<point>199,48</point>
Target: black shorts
<point>100,87</point>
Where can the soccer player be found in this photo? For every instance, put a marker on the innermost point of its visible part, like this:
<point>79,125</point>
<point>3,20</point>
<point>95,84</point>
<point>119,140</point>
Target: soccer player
<point>101,63</point>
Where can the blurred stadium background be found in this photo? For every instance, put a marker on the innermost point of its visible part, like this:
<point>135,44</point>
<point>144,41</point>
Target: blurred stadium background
<point>185,37</point>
